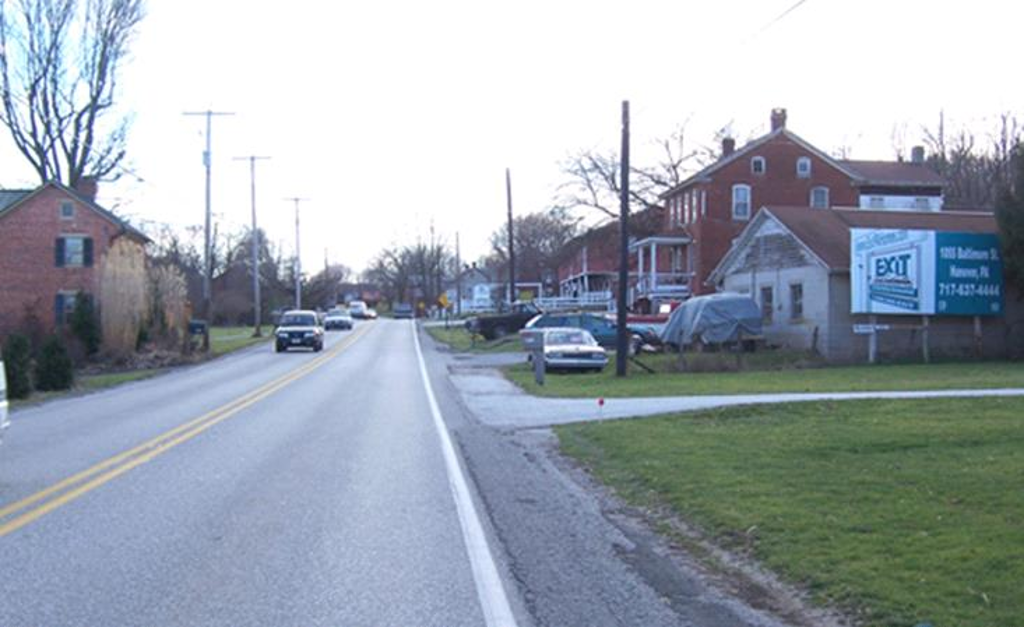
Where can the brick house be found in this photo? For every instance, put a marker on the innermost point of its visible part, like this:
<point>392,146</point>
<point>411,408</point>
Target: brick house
<point>707,211</point>
<point>54,239</point>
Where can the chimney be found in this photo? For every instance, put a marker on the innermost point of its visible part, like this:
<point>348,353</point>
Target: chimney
<point>917,155</point>
<point>728,146</point>
<point>87,187</point>
<point>778,119</point>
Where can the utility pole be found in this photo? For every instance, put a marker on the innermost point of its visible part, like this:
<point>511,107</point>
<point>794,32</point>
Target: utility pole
<point>257,306</point>
<point>622,339</point>
<point>458,277</point>
<point>207,261</point>
<point>298,260</point>
<point>511,246</point>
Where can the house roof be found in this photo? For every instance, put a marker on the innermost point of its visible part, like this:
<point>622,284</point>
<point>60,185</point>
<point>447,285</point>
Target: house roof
<point>827,232</point>
<point>894,173</point>
<point>889,173</point>
<point>751,146</point>
<point>11,198</point>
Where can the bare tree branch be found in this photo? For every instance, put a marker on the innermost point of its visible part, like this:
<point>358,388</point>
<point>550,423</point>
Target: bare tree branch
<point>59,61</point>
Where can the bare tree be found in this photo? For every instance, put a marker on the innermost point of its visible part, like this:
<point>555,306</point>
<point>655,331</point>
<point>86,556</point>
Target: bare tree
<point>59,62</point>
<point>593,178</point>
<point>539,240</point>
<point>975,170</point>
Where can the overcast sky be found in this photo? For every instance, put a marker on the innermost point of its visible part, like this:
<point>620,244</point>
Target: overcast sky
<point>388,116</point>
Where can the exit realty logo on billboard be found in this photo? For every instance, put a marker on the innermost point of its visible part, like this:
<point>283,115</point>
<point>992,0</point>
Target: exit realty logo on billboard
<point>900,271</point>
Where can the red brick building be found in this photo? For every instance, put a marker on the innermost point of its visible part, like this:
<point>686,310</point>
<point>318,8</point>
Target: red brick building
<point>706,212</point>
<point>52,239</point>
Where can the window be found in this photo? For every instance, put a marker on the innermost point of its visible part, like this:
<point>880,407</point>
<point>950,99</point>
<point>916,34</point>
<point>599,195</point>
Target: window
<point>67,210</point>
<point>740,202</point>
<point>703,202</point>
<point>757,165</point>
<point>767,304</point>
<point>73,251</point>
<point>63,306</point>
<point>803,167</point>
<point>796,301</point>
<point>921,202</point>
<point>686,208</point>
<point>876,202</point>
<point>819,197</point>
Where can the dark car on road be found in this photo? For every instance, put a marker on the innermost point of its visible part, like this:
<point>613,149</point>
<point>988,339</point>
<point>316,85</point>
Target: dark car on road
<point>299,328</point>
<point>402,310</point>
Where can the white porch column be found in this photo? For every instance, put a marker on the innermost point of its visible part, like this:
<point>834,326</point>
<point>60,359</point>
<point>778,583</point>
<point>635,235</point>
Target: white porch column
<point>639,264</point>
<point>654,266</point>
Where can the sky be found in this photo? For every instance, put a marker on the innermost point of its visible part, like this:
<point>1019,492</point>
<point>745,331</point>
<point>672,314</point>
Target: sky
<point>392,117</point>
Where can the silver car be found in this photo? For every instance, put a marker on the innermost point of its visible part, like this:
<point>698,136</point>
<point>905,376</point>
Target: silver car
<point>568,348</point>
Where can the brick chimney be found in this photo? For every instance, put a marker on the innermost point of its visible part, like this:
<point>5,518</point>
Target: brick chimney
<point>778,119</point>
<point>87,187</point>
<point>917,155</point>
<point>728,146</point>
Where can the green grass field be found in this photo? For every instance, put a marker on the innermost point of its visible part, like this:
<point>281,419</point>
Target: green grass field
<point>898,512</point>
<point>832,379</point>
<point>227,339</point>
<point>458,339</point>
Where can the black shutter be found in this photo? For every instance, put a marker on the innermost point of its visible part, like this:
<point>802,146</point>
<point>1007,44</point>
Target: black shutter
<point>87,252</point>
<point>60,252</point>
<point>58,309</point>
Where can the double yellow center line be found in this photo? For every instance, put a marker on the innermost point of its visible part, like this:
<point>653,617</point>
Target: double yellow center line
<point>17,515</point>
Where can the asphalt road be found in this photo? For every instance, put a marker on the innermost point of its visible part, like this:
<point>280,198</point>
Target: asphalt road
<point>316,489</point>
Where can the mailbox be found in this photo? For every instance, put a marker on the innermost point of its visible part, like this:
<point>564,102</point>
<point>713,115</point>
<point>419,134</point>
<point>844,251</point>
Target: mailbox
<point>533,343</point>
<point>197,327</point>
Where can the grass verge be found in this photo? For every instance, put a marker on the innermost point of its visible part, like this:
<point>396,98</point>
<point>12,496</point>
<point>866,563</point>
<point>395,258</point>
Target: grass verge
<point>979,375</point>
<point>224,340</point>
<point>898,512</point>
<point>460,340</point>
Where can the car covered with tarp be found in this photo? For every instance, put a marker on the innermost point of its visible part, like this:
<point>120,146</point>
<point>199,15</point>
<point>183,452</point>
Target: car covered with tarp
<point>713,319</point>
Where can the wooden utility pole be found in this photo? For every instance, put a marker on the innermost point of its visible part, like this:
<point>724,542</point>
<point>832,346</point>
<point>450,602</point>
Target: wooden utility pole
<point>257,306</point>
<point>622,339</point>
<point>511,244</point>
<point>458,277</point>
<point>207,253</point>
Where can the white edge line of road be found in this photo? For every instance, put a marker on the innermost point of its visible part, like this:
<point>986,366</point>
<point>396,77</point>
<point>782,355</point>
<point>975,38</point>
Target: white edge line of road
<point>490,591</point>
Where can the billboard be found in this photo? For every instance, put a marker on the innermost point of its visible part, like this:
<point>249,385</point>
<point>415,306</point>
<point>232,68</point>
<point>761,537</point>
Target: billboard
<point>904,271</point>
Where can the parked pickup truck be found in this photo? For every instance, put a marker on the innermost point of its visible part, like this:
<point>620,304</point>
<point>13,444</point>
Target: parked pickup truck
<point>496,325</point>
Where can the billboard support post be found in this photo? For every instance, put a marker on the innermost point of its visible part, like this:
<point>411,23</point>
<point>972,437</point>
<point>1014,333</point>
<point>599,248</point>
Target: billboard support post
<point>873,340</point>
<point>977,337</point>
<point>925,352</point>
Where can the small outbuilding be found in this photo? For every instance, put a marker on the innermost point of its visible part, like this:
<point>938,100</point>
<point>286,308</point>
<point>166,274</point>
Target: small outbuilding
<point>796,263</point>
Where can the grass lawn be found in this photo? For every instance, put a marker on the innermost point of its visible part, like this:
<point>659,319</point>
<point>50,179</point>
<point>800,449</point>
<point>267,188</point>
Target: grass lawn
<point>226,339</point>
<point>899,512</point>
<point>459,339</point>
<point>832,379</point>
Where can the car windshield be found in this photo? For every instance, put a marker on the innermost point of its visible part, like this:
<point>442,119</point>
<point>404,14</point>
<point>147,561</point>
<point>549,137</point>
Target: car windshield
<point>568,337</point>
<point>298,320</point>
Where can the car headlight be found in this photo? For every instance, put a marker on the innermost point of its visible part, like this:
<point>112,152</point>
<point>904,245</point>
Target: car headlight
<point>309,334</point>
<point>282,335</point>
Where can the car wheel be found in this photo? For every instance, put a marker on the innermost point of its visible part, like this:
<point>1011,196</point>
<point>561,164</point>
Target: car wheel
<point>319,346</point>
<point>500,331</point>
<point>278,347</point>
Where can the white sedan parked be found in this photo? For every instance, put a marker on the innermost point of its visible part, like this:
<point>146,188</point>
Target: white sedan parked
<point>568,348</point>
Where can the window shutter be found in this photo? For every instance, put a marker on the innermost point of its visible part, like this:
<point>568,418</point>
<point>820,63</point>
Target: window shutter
<point>58,309</point>
<point>59,248</point>
<point>87,252</point>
